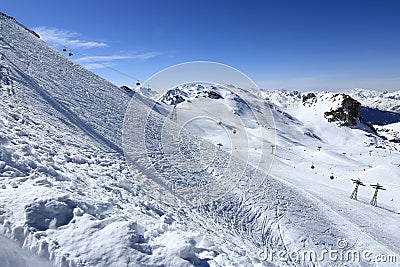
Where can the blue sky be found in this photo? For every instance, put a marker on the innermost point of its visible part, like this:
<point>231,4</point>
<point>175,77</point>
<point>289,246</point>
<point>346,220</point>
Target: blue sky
<point>279,44</point>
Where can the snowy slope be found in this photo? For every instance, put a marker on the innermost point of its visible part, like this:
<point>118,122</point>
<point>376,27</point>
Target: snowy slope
<point>390,131</point>
<point>66,193</point>
<point>305,138</point>
<point>68,196</point>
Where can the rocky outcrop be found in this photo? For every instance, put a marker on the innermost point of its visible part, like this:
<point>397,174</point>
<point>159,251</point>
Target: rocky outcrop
<point>212,94</point>
<point>126,88</point>
<point>190,91</point>
<point>309,99</point>
<point>347,112</point>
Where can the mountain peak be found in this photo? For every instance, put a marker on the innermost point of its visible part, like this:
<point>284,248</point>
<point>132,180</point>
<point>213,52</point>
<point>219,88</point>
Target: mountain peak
<point>347,111</point>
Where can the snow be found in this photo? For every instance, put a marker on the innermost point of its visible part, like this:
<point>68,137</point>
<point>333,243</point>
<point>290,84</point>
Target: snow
<point>305,137</point>
<point>66,192</point>
<point>394,126</point>
<point>68,195</point>
<point>12,255</point>
<point>388,101</point>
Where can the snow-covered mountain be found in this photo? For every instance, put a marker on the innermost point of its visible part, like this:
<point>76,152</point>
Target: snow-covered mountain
<point>376,109</point>
<point>326,153</point>
<point>388,101</point>
<point>382,109</point>
<point>70,197</point>
<point>66,192</point>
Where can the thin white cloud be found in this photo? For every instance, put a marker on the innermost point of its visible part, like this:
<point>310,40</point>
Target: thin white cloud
<point>59,38</point>
<point>144,56</point>
<point>101,62</point>
<point>102,58</point>
<point>97,66</point>
<point>147,55</point>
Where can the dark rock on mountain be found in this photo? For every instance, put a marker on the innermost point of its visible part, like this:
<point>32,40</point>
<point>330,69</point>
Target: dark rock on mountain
<point>309,99</point>
<point>126,88</point>
<point>347,114</point>
<point>213,95</point>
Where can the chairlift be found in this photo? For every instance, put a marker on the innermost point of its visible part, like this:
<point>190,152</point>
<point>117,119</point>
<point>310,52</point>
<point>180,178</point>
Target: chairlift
<point>137,83</point>
<point>64,49</point>
<point>70,54</point>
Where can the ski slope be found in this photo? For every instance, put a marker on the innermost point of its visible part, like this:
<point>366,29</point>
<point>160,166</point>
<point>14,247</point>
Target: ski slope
<point>305,138</point>
<point>66,192</point>
<point>70,196</point>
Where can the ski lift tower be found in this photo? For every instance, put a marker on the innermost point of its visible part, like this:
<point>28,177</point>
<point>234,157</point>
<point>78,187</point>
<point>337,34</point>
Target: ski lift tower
<point>355,191</point>
<point>174,113</point>
<point>374,199</point>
